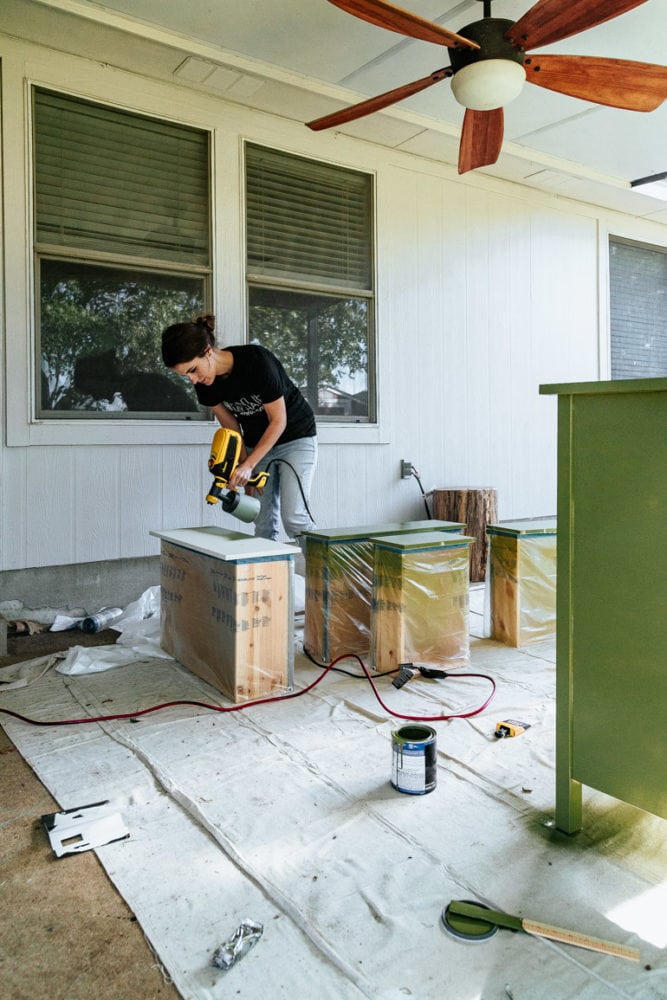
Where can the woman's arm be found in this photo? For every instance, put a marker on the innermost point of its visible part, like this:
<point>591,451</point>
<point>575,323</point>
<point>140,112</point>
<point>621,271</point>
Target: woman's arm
<point>225,418</point>
<point>276,413</point>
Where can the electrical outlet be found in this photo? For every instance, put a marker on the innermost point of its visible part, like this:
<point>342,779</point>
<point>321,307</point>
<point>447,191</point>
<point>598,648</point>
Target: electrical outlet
<point>407,469</point>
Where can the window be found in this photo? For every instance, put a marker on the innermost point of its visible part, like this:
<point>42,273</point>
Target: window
<point>310,277</point>
<point>122,249</point>
<point>638,310</point>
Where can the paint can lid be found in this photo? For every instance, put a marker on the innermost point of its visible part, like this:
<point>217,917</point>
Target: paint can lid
<point>413,734</point>
<point>468,928</point>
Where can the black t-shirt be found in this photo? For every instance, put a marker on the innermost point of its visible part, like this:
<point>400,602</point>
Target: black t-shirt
<point>256,378</point>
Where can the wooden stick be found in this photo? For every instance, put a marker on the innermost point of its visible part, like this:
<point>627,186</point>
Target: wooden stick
<point>580,940</point>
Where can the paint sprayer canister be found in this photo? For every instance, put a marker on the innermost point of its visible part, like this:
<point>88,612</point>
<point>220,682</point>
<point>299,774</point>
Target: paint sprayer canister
<point>103,618</point>
<point>413,767</point>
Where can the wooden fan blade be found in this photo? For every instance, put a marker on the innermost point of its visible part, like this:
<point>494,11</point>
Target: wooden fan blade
<point>387,15</point>
<point>481,138</point>
<point>377,103</point>
<point>550,20</point>
<point>618,83</point>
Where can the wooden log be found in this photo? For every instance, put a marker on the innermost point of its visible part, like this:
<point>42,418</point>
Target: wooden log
<point>476,508</point>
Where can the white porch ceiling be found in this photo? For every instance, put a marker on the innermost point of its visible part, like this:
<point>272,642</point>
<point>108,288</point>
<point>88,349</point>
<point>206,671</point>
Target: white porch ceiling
<point>305,58</point>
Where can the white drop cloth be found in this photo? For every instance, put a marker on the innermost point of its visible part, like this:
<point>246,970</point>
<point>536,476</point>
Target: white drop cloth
<point>284,814</point>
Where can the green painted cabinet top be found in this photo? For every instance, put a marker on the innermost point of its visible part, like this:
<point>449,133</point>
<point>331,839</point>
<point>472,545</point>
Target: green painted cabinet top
<point>524,526</point>
<point>388,528</point>
<point>423,540</point>
<point>608,387</point>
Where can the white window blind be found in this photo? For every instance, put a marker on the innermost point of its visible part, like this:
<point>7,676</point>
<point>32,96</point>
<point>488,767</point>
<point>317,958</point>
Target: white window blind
<point>307,221</point>
<point>638,310</point>
<point>112,181</point>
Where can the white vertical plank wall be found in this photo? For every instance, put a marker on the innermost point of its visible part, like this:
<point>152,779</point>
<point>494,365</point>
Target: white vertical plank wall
<point>484,290</point>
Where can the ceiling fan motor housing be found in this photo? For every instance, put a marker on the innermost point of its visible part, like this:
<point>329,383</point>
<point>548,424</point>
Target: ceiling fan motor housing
<point>490,36</point>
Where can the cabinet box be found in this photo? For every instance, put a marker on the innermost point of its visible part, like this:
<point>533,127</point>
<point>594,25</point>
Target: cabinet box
<point>420,609</point>
<point>339,583</point>
<point>227,609</point>
<point>522,580</point>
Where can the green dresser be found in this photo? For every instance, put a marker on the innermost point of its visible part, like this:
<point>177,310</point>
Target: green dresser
<point>611,689</point>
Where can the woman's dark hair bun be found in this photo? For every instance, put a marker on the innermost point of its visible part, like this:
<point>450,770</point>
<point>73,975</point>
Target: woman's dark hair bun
<point>182,342</point>
<point>207,321</point>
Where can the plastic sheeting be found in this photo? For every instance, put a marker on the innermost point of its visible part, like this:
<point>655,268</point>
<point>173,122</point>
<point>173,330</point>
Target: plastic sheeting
<point>522,582</point>
<point>339,581</point>
<point>420,602</point>
<point>339,584</point>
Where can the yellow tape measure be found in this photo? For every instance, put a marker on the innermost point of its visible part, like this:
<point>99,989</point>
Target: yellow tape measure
<point>510,727</point>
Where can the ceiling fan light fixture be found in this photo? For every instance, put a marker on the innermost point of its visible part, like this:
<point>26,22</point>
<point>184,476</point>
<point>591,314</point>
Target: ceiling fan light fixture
<point>488,83</point>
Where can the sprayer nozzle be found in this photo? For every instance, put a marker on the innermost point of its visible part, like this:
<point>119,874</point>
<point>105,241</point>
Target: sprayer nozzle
<point>240,505</point>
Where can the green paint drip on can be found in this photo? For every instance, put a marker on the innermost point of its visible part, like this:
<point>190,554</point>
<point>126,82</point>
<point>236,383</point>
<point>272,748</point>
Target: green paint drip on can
<point>414,759</point>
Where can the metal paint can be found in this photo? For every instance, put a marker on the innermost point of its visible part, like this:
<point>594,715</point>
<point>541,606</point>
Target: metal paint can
<point>413,762</point>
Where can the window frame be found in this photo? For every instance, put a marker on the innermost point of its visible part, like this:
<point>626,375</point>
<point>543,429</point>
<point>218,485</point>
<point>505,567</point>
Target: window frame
<point>115,260</point>
<point>22,427</point>
<point>334,424</point>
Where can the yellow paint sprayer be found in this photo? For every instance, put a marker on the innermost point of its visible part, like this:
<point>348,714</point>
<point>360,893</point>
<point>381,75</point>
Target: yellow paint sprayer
<point>225,455</point>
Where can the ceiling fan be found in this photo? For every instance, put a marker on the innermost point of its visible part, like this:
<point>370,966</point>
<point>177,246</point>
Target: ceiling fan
<point>490,63</point>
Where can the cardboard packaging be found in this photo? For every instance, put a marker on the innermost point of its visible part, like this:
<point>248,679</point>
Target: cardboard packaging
<point>227,609</point>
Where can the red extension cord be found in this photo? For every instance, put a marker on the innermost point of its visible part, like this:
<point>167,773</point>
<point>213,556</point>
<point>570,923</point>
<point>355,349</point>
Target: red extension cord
<point>267,701</point>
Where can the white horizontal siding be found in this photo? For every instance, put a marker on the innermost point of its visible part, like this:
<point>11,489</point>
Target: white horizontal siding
<point>485,290</point>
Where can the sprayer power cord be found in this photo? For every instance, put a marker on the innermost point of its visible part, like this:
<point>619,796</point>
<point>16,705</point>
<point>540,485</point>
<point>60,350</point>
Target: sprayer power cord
<point>428,511</point>
<point>263,701</point>
<point>284,461</point>
<point>348,673</point>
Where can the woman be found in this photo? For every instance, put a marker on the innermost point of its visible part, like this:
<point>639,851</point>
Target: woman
<point>249,391</point>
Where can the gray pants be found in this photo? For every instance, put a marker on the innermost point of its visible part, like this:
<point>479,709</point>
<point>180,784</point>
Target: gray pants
<point>281,498</point>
